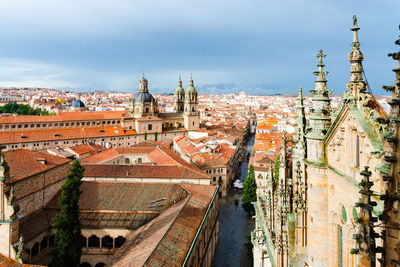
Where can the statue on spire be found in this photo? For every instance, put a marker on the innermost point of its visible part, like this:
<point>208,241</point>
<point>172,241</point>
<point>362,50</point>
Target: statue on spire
<point>355,20</point>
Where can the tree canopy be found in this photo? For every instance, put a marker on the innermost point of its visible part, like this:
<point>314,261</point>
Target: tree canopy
<point>249,191</point>
<point>68,246</point>
<point>21,109</point>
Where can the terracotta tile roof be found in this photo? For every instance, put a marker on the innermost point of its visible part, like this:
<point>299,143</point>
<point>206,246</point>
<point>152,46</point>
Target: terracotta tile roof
<point>142,242</point>
<point>66,116</point>
<point>142,171</point>
<point>87,149</point>
<point>122,205</point>
<point>8,262</point>
<point>163,234</point>
<point>171,251</point>
<point>62,134</point>
<point>166,164</point>
<point>24,163</point>
<point>174,244</point>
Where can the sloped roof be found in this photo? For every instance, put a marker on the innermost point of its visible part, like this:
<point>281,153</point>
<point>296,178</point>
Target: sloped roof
<point>166,164</point>
<point>162,234</point>
<point>8,262</point>
<point>42,135</point>
<point>24,163</point>
<point>66,116</point>
<point>175,243</point>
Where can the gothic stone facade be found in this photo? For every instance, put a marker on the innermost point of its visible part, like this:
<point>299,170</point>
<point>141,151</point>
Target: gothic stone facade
<point>339,204</point>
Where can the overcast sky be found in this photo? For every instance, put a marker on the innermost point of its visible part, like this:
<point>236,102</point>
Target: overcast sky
<point>259,46</point>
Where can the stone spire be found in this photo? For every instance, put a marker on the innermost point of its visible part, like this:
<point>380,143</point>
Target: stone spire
<point>320,113</point>
<point>356,84</point>
<point>300,132</point>
<point>391,168</point>
<point>365,238</point>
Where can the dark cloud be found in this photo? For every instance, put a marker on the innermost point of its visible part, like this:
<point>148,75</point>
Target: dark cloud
<point>255,45</point>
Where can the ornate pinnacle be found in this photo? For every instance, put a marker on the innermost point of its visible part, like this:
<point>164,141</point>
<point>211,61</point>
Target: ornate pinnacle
<point>355,29</point>
<point>396,56</point>
<point>320,56</point>
<point>321,72</point>
<point>300,98</point>
<point>191,83</point>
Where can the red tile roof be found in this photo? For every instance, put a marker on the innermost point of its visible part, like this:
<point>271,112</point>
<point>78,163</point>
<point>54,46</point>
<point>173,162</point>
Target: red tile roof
<point>66,116</point>
<point>8,262</point>
<point>175,243</point>
<point>24,163</point>
<point>166,164</point>
<point>42,135</point>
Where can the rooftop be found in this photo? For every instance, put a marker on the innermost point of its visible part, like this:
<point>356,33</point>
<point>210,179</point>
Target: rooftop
<point>24,163</point>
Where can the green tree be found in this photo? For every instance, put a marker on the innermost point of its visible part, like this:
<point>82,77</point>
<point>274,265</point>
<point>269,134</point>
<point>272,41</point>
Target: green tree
<point>21,109</point>
<point>249,191</point>
<point>145,136</point>
<point>155,136</point>
<point>68,248</point>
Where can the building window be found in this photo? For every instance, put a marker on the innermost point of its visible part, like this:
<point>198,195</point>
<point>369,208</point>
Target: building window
<point>357,151</point>
<point>35,249</point>
<point>83,241</point>
<point>149,127</point>
<point>51,241</point>
<point>339,246</point>
<point>119,241</point>
<point>94,242</point>
<point>147,110</point>
<point>139,160</point>
<point>43,243</point>
<point>107,242</point>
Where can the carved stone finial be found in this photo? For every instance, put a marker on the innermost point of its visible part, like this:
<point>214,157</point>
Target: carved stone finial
<point>320,56</point>
<point>20,249</point>
<point>12,201</point>
<point>354,20</point>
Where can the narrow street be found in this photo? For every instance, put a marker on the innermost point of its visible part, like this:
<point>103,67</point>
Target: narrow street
<point>235,226</point>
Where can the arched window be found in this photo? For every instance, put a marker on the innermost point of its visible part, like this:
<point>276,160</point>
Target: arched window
<point>85,264</point>
<point>100,264</point>
<point>43,243</point>
<point>192,109</point>
<point>83,241</point>
<point>127,161</point>
<point>339,246</point>
<point>139,160</point>
<point>35,249</point>
<point>357,151</point>
<point>94,242</point>
<point>51,241</point>
<point>106,242</point>
<point>119,241</point>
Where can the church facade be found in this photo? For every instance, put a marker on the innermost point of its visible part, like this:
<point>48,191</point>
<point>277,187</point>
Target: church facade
<point>336,200</point>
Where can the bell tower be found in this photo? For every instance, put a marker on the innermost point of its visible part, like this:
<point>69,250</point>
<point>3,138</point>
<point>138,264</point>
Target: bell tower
<point>179,97</point>
<point>191,114</point>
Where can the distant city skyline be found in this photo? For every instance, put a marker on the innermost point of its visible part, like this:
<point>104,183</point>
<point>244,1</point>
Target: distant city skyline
<point>260,47</point>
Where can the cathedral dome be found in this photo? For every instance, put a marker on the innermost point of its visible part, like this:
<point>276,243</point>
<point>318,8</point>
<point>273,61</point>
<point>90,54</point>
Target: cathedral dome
<point>78,104</point>
<point>144,97</point>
